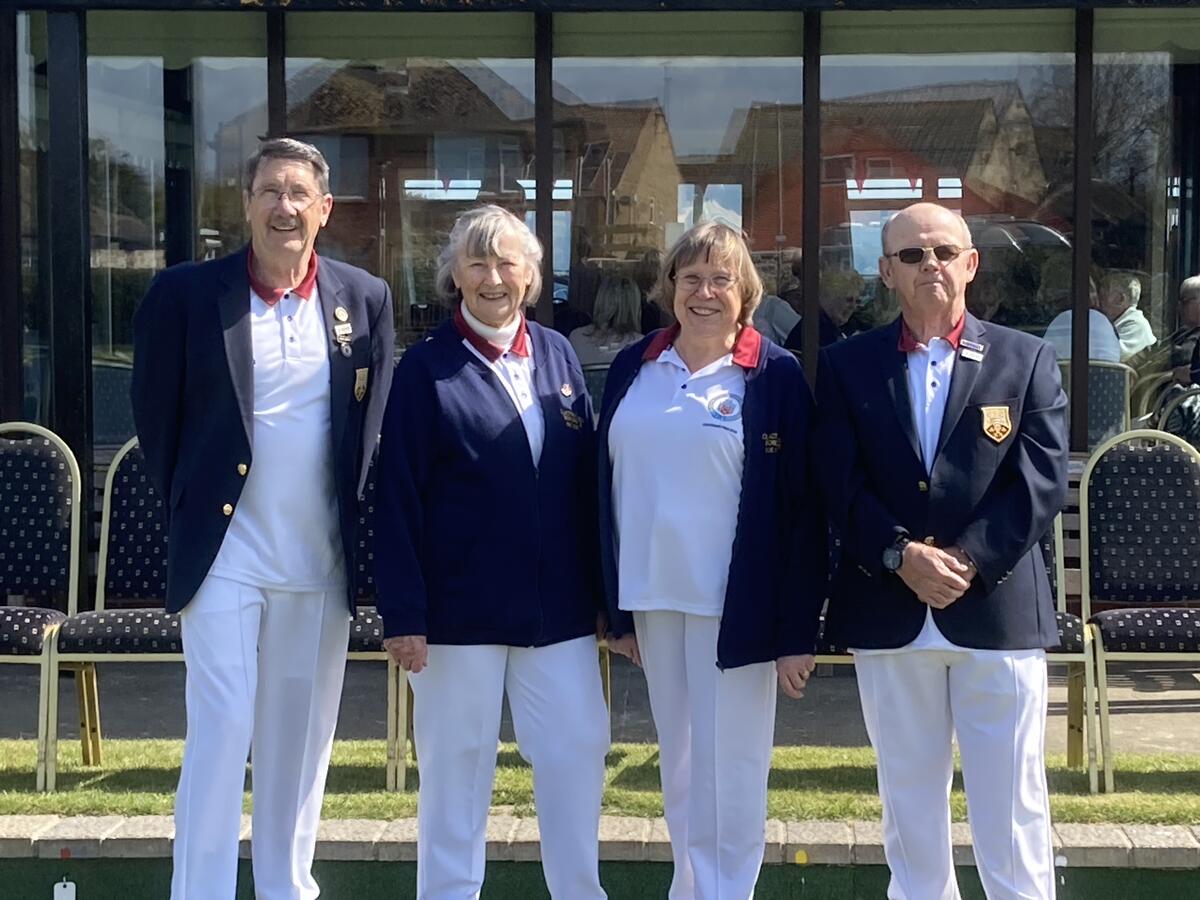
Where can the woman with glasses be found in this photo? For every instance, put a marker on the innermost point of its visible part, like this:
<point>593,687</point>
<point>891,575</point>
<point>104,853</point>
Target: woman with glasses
<point>713,550</point>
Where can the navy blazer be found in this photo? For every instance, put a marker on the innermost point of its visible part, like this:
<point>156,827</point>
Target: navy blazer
<point>474,544</point>
<point>993,498</point>
<point>778,564</point>
<point>193,400</point>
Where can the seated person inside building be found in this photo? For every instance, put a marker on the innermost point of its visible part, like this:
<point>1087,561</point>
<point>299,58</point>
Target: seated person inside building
<point>1119,295</point>
<point>1157,358</point>
<point>840,293</point>
<point>1103,344</point>
<point>1184,417</point>
<point>616,323</point>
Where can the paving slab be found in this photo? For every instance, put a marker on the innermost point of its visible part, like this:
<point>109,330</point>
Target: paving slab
<point>962,848</point>
<point>18,834</point>
<point>348,839</point>
<point>658,844</point>
<point>244,835</point>
<point>819,843</point>
<point>1163,847</point>
<point>1095,846</point>
<point>776,838</point>
<point>623,838</point>
<point>868,844</point>
<point>76,837</point>
<point>500,828</point>
<point>141,837</point>
<point>398,842</point>
<point>525,843</point>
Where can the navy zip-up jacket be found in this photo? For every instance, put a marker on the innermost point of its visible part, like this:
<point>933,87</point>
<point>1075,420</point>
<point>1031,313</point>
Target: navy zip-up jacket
<point>473,544</point>
<point>778,569</point>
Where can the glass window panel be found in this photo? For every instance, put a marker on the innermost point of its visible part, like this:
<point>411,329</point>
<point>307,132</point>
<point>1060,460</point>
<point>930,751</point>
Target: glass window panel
<point>36,368</point>
<point>664,121</point>
<point>175,105</point>
<point>420,127</point>
<point>1146,94</point>
<point>986,130</point>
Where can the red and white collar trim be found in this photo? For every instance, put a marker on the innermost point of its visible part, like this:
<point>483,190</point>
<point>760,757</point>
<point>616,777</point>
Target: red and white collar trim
<point>747,346</point>
<point>488,350</point>
<point>270,295</point>
<point>908,341</point>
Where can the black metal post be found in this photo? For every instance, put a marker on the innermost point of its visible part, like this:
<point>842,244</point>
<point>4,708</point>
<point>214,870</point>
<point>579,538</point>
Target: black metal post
<point>10,223</point>
<point>1084,26</point>
<point>70,241</point>
<point>811,238</point>
<point>543,162</point>
<point>276,75</point>
<point>178,131</point>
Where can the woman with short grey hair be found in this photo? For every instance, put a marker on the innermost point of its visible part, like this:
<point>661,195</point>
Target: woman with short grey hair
<point>486,567</point>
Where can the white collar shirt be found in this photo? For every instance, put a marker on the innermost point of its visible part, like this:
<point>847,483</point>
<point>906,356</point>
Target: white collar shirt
<point>677,448</point>
<point>516,376</point>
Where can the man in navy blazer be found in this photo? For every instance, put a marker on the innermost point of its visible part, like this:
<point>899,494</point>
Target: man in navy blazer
<point>259,384</point>
<point>943,444</point>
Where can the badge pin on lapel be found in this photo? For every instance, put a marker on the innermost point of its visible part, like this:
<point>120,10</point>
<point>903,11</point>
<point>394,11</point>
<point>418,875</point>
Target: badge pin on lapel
<point>971,350</point>
<point>343,331</point>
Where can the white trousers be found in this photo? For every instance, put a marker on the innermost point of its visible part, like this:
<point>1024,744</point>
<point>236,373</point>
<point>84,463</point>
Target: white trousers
<point>264,669</point>
<point>561,726</point>
<point>914,703</point>
<point>715,732</point>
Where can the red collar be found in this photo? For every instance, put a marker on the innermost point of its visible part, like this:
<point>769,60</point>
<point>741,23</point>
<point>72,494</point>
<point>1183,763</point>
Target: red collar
<point>908,341</point>
<point>489,351</point>
<point>747,346</point>
<point>271,295</point>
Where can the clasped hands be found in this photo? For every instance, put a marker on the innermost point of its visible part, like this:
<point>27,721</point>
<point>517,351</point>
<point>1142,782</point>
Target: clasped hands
<point>937,576</point>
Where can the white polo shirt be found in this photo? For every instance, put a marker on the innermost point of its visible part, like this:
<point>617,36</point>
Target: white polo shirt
<point>285,533</point>
<point>930,369</point>
<point>677,451</point>
<point>515,372</point>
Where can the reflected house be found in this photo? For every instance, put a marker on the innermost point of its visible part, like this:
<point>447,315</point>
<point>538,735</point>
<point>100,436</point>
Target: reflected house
<point>970,145</point>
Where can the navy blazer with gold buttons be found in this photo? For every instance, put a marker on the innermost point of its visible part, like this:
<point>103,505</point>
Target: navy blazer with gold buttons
<point>997,481</point>
<point>193,400</point>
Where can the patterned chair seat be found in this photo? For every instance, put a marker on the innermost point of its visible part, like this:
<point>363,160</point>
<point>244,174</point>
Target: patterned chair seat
<point>121,631</point>
<point>23,629</point>
<point>1070,633</point>
<point>366,631</point>
<point>1160,630</point>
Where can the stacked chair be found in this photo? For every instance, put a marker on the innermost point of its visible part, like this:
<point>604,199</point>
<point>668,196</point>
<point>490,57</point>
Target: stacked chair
<point>1139,505</point>
<point>129,624</point>
<point>39,555</point>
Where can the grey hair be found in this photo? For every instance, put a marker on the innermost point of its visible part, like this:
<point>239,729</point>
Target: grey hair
<point>477,234</point>
<point>288,148</point>
<point>1127,283</point>
<point>1189,289</point>
<point>618,309</point>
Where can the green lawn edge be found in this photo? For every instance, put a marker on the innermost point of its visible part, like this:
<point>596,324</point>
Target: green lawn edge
<point>138,777</point>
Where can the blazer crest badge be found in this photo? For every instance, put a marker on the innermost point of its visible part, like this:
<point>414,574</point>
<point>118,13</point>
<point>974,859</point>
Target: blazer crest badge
<point>996,422</point>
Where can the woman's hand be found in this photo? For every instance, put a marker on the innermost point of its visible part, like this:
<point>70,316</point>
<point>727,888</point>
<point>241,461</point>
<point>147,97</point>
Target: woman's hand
<point>410,651</point>
<point>793,673</point>
<point>627,646</point>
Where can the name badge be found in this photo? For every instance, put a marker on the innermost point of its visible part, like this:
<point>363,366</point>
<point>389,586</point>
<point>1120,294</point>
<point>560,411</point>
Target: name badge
<point>971,350</point>
<point>360,384</point>
<point>343,329</point>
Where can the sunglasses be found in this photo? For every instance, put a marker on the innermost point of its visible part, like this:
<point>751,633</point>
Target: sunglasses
<point>912,256</point>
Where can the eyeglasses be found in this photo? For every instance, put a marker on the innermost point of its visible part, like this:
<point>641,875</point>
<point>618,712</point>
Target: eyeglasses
<point>912,256</point>
<point>299,198</point>
<point>719,283</point>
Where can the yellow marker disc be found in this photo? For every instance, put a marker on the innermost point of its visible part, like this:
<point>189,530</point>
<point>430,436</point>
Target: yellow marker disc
<point>801,857</point>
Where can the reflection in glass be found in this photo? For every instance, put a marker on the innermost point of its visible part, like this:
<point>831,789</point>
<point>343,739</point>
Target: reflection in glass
<point>36,367</point>
<point>421,116</point>
<point>175,105</point>
<point>1145,74</point>
<point>661,123</point>
<point>986,131</point>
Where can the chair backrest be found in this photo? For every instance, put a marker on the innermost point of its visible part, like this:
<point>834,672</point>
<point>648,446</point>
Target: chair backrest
<point>1139,509</point>
<point>112,412</point>
<point>364,553</point>
<point>1109,386</point>
<point>1146,391</point>
<point>1180,415</point>
<point>133,536</point>
<point>39,516</point>
<point>595,376</point>
<point>1052,555</point>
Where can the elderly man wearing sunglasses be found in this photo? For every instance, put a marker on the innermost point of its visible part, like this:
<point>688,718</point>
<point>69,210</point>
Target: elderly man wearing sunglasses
<point>950,464</point>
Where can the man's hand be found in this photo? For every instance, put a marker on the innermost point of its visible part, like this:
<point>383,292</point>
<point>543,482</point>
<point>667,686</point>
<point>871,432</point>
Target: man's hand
<point>626,645</point>
<point>410,651</point>
<point>934,575</point>
<point>961,555</point>
<point>793,672</point>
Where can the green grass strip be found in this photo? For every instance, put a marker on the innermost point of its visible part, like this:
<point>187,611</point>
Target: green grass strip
<point>139,777</point>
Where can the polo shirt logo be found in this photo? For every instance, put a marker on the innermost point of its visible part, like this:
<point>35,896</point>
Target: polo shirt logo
<point>772,443</point>
<point>725,408</point>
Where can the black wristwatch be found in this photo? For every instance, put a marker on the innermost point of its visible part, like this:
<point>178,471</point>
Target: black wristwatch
<point>893,555</point>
